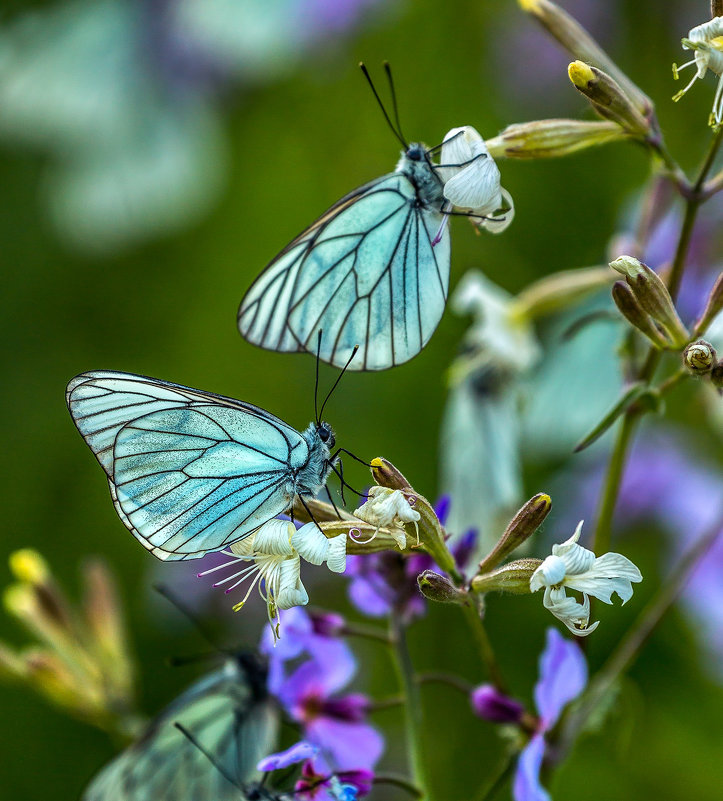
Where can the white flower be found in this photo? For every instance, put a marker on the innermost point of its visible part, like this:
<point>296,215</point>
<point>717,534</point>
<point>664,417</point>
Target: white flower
<point>577,568</point>
<point>390,509</point>
<point>273,551</point>
<point>707,41</point>
<point>473,182</point>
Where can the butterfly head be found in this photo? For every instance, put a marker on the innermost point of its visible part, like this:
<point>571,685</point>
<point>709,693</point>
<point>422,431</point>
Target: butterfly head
<point>326,434</point>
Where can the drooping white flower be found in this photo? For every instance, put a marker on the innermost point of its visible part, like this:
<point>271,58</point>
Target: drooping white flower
<point>390,509</point>
<point>573,567</point>
<point>274,552</point>
<point>472,183</point>
<point>707,42</point>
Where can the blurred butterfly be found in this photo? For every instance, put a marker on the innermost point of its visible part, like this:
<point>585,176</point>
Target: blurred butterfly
<point>204,744</point>
<point>190,471</point>
<point>373,271</point>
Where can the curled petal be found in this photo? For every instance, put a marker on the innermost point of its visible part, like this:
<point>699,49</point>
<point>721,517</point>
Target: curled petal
<point>610,573</point>
<point>311,543</point>
<point>299,752</point>
<point>290,591</point>
<point>575,615</point>
<point>497,224</point>
<point>336,558</point>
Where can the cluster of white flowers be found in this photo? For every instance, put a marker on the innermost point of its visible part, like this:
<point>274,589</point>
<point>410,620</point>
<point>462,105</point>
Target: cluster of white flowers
<point>707,42</point>
<point>573,567</point>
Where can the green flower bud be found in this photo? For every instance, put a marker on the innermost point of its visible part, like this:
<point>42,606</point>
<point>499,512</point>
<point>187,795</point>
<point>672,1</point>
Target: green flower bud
<point>653,297</point>
<point>633,313</point>
<point>713,306</point>
<point>523,525</point>
<point>699,358</point>
<point>439,588</point>
<point>608,98</point>
<point>514,577</point>
<point>546,139</point>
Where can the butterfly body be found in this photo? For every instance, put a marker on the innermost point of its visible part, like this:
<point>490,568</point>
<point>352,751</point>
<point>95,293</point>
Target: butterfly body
<point>372,271</point>
<point>189,471</point>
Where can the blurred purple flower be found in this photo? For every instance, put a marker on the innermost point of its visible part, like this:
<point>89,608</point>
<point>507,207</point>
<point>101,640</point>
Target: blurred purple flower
<point>335,724</point>
<point>386,582</point>
<point>305,634</point>
<point>489,703</point>
<point>563,676</point>
<point>299,752</point>
<point>344,786</point>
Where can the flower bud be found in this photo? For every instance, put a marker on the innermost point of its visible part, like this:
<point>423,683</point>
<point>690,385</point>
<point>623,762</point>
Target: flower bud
<point>713,306</point>
<point>699,358</point>
<point>29,566</point>
<point>386,475</point>
<point>653,297</point>
<point>523,525</point>
<point>608,98</point>
<point>579,43</point>
<point>633,313</point>
<point>491,704</point>
<point>439,588</point>
<point>546,139</point>
<point>716,375</point>
<point>327,624</point>
<point>514,577</point>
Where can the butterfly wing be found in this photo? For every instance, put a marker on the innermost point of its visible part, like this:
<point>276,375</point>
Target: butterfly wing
<point>366,273</point>
<point>222,714</point>
<point>189,471</point>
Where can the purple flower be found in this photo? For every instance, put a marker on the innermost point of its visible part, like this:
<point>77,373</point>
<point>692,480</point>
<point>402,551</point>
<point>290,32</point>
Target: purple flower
<point>305,634</point>
<point>299,752</point>
<point>343,786</point>
<point>563,676</point>
<point>491,704</point>
<point>385,583</point>
<point>335,724</point>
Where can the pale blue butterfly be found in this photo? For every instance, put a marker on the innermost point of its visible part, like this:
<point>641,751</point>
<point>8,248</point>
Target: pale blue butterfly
<point>204,744</point>
<point>190,471</point>
<point>372,271</point>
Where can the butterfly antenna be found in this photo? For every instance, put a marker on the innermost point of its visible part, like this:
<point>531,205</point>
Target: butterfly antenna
<point>184,610</point>
<point>395,107</point>
<point>316,383</point>
<point>396,133</point>
<point>336,383</point>
<point>192,739</point>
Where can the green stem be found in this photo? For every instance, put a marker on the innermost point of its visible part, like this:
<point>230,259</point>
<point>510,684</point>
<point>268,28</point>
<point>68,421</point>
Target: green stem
<point>484,646</point>
<point>413,718</point>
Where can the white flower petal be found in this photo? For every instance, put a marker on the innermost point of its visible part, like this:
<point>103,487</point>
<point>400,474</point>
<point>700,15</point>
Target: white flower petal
<point>475,182</point>
<point>290,591</point>
<point>497,224</point>
<point>562,548</point>
<point>575,615</point>
<point>274,537</point>
<point>550,573</point>
<point>244,547</point>
<point>311,543</point>
<point>336,560</point>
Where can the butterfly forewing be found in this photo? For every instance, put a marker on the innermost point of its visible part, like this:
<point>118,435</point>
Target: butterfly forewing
<point>189,472</point>
<point>365,274</point>
<point>235,728</point>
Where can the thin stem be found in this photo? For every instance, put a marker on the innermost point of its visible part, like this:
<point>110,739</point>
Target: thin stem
<point>631,644</point>
<point>484,646</point>
<point>413,718</point>
<point>618,457</point>
<point>503,772</point>
<point>366,632</point>
<point>398,781</point>
<point>450,679</point>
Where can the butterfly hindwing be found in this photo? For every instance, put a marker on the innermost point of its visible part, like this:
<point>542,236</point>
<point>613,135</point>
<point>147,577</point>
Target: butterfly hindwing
<point>189,472</point>
<point>222,714</point>
<point>365,273</point>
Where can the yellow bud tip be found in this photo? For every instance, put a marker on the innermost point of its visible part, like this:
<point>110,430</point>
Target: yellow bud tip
<point>580,73</point>
<point>377,462</point>
<point>17,599</point>
<point>529,5</point>
<point>28,565</point>
<point>545,499</point>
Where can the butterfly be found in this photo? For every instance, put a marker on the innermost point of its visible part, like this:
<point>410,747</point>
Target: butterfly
<point>372,271</point>
<point>190,471</point>
<point>204,744</point>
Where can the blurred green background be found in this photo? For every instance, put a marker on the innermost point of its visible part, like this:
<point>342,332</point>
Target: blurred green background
<point>167,308</point>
